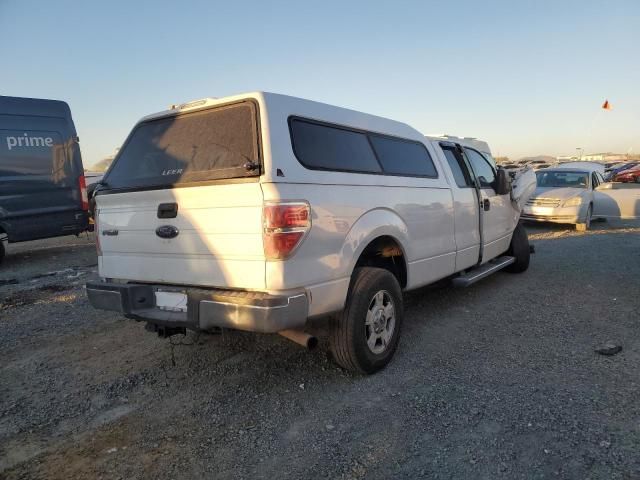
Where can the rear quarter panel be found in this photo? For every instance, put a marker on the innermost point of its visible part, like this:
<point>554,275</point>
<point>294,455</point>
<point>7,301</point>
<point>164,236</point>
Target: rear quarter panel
<point>346,218</point>
<point>351,209</point>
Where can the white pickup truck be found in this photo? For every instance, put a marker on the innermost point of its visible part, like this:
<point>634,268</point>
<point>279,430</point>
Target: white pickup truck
<point>260,211</point>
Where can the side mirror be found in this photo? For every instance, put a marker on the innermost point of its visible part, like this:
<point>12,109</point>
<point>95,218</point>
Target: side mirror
<point>503,182</point>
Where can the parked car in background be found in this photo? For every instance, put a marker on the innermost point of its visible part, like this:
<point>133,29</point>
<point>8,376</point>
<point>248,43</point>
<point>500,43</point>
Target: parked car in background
<point>539,166</point>
<point>616,200</point>
<point>631,174</point>
<point>260,211</point>
<point>512,169</point>
<point>92,178</point>
<point>42,185</point>
<point>591,166</point>
<point>576,193</point>
<point>563,195</point>
<point>610,166</point>
<point>511,166</point>
<point>534,163</point>
<point>621,168</point>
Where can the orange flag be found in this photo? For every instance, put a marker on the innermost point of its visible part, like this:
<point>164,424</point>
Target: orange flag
<point>606,105</point>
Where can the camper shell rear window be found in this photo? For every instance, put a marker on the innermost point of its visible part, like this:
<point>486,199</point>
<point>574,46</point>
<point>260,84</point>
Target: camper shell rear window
<point>217,143</point>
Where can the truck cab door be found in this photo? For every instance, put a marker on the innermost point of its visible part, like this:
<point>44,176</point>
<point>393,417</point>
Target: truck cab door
<point>466,207</point>
<point>499,217</point>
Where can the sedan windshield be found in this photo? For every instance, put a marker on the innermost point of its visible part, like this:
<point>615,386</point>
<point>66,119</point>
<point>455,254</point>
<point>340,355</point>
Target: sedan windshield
<point>561,179</point>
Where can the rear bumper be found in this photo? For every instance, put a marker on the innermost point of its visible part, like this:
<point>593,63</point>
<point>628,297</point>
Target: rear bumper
<point>22,228</point>
<point>206,308</point>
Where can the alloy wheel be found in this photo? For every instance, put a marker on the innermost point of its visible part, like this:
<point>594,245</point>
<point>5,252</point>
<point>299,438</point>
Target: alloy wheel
<point>380,322</point>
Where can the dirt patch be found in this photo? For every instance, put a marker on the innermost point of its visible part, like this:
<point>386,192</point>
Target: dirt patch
<point>79,458</point>
<point>554,231</point>
<point>499,380</point>
<point>55,288</point>
<point>35,295</point>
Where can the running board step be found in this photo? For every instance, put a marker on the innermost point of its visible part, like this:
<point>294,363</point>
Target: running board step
<point>478,273</point>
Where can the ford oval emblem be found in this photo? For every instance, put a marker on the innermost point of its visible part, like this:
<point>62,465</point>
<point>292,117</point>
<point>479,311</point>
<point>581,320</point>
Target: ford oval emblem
<point>167,231</point>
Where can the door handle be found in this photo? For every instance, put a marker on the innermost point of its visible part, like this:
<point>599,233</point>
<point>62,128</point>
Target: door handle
<point>486,204</point>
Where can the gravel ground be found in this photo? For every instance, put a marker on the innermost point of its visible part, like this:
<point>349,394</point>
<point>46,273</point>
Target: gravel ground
<point>499,380</point>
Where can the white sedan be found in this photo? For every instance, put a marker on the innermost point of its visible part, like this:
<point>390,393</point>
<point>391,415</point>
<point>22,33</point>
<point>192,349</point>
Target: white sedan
<point>577,195</point>
<point>562,196</point>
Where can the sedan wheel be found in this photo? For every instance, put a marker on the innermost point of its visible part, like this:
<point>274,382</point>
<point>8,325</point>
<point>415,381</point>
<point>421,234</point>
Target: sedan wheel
<point>582,227</point>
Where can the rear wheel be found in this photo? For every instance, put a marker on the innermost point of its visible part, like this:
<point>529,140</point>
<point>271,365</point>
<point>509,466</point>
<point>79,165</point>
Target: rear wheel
<point>519,249</point>
<point>2,250</point>
<point>583,227</point>
<point>364,336</point>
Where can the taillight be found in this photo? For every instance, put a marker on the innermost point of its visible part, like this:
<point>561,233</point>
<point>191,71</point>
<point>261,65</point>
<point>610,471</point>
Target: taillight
<point>284,226</point>
<point>84,198</point>
<point>96,230</point>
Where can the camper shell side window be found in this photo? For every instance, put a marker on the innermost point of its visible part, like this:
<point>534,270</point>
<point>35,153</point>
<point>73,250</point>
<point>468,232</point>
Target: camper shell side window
<point>326,146</point>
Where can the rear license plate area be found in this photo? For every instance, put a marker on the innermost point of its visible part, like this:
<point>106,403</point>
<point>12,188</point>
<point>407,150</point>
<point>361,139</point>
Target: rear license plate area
<point>171,301</point>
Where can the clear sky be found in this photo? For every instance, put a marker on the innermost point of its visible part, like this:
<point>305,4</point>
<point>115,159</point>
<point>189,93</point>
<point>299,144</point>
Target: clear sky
<point>528,76</point>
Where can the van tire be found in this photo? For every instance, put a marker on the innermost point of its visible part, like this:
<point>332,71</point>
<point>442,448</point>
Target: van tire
<point>519,249</point>
<point>350,335</point>
<point>2,250</point>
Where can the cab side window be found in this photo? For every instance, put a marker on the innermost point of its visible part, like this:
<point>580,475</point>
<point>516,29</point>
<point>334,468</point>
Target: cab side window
<point>456,164</point>
<point>482,168</point>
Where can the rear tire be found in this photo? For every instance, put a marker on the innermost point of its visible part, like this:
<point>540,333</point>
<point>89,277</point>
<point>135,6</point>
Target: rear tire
<point>519,249</point>
<point>364,336</point>
<point>2,252</point>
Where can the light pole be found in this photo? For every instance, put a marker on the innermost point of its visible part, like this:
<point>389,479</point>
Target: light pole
<point>581,151</point>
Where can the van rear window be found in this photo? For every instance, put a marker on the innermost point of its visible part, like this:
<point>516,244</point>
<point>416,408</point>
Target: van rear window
<point>206,145</point>
<point>33,153</point>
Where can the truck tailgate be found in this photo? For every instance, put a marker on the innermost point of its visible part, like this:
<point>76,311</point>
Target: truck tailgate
<point>218,241</point>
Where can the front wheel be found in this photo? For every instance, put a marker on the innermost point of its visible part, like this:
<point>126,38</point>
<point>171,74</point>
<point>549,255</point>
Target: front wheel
<point>519,249</point>
<point>586,225</point>
<point>364,336</point>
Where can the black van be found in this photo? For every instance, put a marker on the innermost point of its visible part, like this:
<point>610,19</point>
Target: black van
<point>42,186</point>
